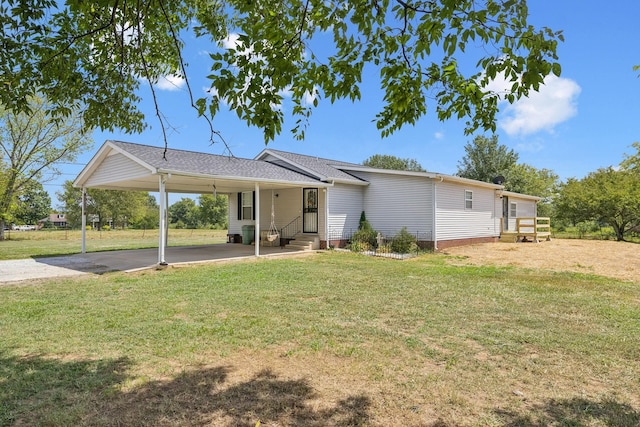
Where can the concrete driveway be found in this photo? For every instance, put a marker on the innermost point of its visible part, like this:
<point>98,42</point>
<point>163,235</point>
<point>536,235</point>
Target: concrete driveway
<point>125,260</point>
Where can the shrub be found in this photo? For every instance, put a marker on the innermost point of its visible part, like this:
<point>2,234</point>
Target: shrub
<point>404,242</point>
<point>365,235</point>
<point>106,228</point>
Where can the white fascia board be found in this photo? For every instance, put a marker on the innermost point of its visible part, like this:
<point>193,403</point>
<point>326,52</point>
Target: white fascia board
<point>468,181</point>
<point>384,171</point>
<point>521,196</point>
<point>97,159</point>
<point>350,182</point>
<point>284,159</point>
<point>244,179</point>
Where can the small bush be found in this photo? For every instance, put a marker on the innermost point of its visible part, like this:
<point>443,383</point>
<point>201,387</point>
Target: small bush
<point>404,242</point>
<point>106,228</point>
<point>366,236</point>
<point>359,246</point>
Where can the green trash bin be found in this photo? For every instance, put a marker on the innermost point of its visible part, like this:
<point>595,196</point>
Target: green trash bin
<point>248,234</point>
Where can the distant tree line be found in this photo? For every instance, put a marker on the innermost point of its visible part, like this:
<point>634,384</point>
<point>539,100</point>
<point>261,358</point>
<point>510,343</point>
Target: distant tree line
<point>140,210</point>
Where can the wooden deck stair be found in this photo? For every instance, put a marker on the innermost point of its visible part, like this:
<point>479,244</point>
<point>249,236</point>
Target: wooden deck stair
<point>528,229</point>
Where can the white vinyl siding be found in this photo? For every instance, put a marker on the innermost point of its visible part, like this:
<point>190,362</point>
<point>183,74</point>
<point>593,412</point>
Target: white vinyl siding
<point>525,209</point>
<point>115,168</point>
<point>345,207</point>
<point>455,221</point>
<point>395,201</point>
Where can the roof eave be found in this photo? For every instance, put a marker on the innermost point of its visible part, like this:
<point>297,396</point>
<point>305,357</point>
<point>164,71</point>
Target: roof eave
<point>384,171</point>
<point>243,179</point>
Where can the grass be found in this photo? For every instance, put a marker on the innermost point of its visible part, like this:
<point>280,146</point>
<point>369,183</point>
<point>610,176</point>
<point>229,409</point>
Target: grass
<point>331,339</point>
<point>27,244</point>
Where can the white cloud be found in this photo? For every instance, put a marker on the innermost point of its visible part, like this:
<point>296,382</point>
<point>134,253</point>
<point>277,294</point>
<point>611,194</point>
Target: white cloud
<point>170,83</point>
<point>309,98</point>
<point>531,147</point>
<point>555,103</point>
<point>231,41</point>
<point>438,135</point>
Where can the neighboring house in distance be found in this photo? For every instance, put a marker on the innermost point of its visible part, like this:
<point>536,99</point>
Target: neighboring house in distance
<point>56,219</point>
<point>315,197</point>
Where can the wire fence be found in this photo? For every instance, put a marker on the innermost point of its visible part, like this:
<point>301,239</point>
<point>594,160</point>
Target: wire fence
<point>396,244</point>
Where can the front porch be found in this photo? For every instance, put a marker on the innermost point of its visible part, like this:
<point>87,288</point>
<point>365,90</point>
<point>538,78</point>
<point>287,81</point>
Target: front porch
<point>528,229</point>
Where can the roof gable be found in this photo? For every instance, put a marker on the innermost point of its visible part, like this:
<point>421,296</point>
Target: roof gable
<point>323,169</point>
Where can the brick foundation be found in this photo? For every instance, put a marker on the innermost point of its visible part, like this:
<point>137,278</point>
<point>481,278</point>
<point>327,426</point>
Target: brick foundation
<point>444,244</point>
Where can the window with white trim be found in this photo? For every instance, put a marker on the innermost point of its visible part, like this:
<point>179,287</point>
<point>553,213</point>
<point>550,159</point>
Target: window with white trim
<point>513,210</point>
<point>468,199</point>
<point>247,205</point>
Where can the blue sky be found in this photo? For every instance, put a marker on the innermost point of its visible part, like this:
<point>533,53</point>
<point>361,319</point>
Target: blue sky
<point>584,120</point>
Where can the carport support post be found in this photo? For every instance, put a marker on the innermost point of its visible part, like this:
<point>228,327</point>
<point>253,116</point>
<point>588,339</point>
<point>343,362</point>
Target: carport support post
<point>257,230</point>
<point>163,231</point>
<point>84,220</point>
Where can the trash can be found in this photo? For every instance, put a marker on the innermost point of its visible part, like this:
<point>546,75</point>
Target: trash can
<point>248,234</point>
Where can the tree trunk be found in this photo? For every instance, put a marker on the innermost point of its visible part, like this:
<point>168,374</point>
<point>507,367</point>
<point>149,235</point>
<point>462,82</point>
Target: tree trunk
<point>619,230</point>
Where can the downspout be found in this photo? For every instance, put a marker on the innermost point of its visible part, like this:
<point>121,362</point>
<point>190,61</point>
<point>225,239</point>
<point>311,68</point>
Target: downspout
<point>326,216</point>
<point>435,214</point>
<point>84,220</point>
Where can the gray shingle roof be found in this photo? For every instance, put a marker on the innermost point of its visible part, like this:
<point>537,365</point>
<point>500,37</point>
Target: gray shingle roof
<point>190,162</point>
<point>324,167</point>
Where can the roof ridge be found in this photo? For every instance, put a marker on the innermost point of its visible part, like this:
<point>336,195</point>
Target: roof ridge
<point>176,149</point>
<point>310,156</point>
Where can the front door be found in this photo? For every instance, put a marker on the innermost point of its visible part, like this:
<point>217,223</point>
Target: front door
<point>310,210</point>
<point>505,213</point>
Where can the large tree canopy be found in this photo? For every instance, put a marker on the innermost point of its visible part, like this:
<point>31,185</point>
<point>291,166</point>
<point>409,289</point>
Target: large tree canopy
<point>385,161</point>
<point>486,159</point>
<point>33,145</point>
<point>607,195</point>
<point>95,55</point>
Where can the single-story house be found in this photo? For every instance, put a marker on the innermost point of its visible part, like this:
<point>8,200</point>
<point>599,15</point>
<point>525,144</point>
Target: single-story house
<point>319,198</point>
<point>56,220</point>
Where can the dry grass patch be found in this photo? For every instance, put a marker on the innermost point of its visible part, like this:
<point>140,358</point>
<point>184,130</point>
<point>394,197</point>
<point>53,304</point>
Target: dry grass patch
<point>620,260</point>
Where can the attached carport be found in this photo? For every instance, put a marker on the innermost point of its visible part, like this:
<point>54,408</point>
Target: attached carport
<point>133,167</point>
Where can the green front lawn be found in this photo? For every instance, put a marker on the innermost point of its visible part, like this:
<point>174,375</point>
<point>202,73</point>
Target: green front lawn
<point>328,339</point>
<point>27,244</point>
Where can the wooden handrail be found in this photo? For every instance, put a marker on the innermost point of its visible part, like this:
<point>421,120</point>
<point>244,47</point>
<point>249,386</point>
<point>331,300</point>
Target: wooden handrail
<point>533,227</point>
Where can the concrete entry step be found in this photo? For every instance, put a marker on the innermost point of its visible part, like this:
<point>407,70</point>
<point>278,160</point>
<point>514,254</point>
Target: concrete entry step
<point>304,242</point>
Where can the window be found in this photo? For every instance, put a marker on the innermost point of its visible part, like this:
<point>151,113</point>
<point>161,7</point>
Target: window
<point>468,199</point>
<point>245,205</point>
<point>512,210</point>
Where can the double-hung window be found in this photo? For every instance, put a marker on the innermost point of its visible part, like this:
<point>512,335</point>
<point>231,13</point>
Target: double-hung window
<point>245,205</point>
<point>513,210</point>
<point>468,199</point>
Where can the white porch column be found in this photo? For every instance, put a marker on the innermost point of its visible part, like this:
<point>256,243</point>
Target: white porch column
<point>163,231</point>
<point>257,231</point>
<point>84,220</point>
<point>166,219</point>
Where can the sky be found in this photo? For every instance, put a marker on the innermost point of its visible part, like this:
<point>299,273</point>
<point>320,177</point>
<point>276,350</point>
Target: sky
<point>584,120</point>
